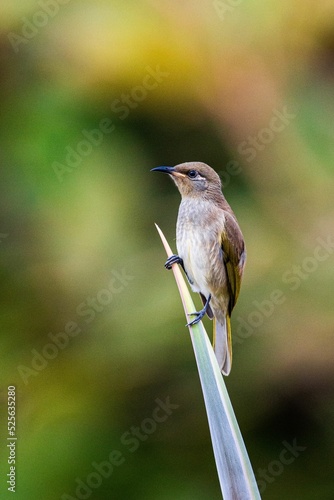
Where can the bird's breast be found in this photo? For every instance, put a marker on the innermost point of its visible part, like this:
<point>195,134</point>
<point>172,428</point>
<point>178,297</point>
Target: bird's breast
<point>199,226</point>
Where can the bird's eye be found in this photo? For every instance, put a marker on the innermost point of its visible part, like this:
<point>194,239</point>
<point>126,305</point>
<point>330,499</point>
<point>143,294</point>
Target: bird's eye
<point>192,174</point>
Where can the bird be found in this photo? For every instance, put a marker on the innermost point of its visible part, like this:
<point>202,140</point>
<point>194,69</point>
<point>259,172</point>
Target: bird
<point>210,249</point>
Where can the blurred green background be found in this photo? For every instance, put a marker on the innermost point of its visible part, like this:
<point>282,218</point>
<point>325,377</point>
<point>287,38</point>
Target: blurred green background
<point>94,95</point>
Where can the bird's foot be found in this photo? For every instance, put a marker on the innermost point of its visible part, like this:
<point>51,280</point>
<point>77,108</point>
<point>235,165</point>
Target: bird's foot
<point>174,259</point>
<point>199,314</point>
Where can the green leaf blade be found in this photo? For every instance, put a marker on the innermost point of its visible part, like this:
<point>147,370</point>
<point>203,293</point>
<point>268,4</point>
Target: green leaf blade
<point>234,469</point>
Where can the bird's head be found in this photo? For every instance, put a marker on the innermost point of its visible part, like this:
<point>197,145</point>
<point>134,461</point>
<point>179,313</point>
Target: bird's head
<point>193,179</point>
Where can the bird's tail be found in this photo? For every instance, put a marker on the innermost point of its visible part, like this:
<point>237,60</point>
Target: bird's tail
<point>222,344</point>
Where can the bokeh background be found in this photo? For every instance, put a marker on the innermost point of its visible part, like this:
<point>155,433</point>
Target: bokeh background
<point>94,95</point>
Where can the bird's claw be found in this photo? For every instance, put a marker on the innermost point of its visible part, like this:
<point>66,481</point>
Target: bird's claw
<point>199,315</point>
<point>173,259</point>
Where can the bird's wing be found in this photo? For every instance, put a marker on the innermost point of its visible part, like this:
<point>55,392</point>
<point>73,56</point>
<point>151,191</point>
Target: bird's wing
<point>234,255</point>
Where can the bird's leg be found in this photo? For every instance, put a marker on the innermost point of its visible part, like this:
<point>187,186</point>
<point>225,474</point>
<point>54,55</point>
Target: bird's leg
<point>199,314</point>
<point>174,259</point>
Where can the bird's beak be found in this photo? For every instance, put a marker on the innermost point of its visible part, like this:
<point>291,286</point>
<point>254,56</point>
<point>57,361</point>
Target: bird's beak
<point>165,170</point>
<point>168,170</point>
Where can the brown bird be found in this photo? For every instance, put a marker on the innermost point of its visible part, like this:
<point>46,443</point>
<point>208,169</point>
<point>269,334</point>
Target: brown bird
<point>210,248</point>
